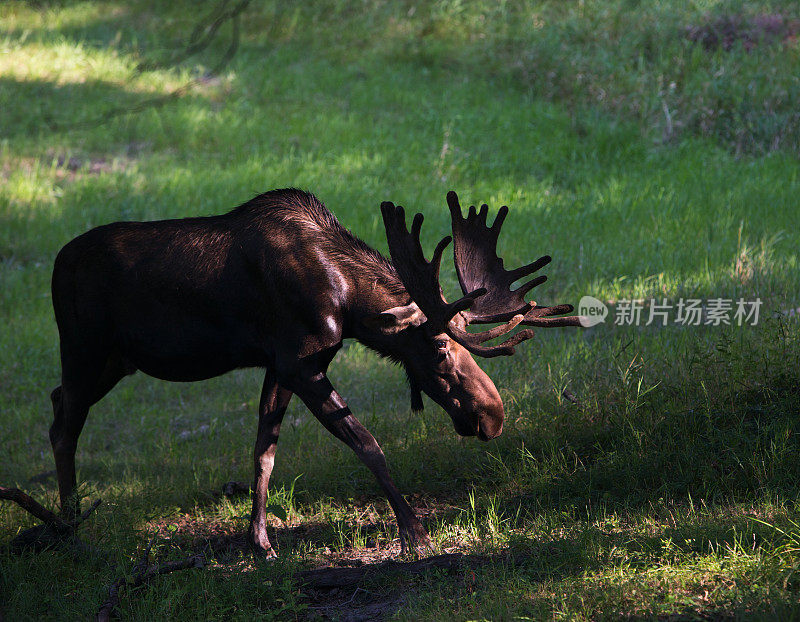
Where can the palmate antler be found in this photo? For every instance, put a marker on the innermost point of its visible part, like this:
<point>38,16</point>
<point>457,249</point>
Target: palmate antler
<point>421,277</point>
<point>488,298</point>
<point>477,265</point>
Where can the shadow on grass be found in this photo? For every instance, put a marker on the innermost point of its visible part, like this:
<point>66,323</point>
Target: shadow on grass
<point>621,479</point>
<point>355,581</point>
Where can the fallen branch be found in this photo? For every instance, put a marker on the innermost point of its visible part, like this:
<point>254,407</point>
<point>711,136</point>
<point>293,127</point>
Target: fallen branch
<point>54,528</point>
<point>142,573</point>
<point>30,505</point>
<point>328,578</point>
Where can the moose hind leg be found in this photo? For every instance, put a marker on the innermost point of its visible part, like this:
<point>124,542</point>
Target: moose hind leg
<point>68,420</point>
<point>71,403</point>
<point>271,409</point>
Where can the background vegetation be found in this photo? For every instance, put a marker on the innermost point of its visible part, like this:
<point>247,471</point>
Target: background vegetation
<point>651,148</point>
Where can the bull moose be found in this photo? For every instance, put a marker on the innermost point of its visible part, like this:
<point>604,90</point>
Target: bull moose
<point>278,283</point>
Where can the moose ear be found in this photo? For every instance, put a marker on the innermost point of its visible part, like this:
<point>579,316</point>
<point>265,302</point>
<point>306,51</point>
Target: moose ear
<point>395,319</point>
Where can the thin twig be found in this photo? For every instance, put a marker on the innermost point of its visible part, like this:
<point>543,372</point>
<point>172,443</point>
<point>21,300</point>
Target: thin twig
<point>142,574</point>
<point>86,514</point>
<point>233,15</point>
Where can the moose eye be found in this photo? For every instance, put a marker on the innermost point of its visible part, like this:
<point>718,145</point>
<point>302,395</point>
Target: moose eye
<point>441,344</point>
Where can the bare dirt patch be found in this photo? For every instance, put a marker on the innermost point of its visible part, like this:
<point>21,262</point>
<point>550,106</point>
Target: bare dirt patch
<point>347,583</point>
<point>72,166</point>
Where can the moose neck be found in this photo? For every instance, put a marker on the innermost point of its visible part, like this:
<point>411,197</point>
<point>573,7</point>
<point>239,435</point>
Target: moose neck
<point>373,292</point>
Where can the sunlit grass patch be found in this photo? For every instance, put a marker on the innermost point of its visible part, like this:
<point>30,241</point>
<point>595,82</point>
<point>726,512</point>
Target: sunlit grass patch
<point>20,17</point>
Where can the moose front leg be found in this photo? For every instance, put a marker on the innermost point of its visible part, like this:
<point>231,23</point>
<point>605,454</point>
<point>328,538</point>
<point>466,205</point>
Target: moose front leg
<point>271,408</point>
<point>328,406</point>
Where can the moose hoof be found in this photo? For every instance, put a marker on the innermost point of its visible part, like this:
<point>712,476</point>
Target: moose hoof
<point>261,552</point>
<point>265,553</point>
<point>261,547</point>
<point>415,539</point>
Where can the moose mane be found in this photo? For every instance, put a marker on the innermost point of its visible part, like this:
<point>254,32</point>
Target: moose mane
<point>292,205</point>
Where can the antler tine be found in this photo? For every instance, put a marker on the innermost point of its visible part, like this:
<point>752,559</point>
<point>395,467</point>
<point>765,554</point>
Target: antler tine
<point>485,283</point>
<point>547,311</point>
<point>538,316</point>
<point>472,341</point>
<point>540,263</point>
<point>556,322</point>
<point>498,220</point>
<point>419,276</point>
<point>524,289</point>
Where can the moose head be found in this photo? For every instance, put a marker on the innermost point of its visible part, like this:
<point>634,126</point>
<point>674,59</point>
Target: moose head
<point>431,334</point>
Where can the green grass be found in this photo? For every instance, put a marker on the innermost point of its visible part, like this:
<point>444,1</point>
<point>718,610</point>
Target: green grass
<point>647,165</point>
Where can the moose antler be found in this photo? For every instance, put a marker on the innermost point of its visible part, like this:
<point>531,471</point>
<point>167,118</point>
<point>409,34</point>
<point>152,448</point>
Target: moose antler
<point>477,265</point>
<point>421,277</point>
<point>421,280</point>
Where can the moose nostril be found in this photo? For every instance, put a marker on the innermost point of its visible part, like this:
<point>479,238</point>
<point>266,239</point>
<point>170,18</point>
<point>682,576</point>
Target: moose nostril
<point>488,428</point>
